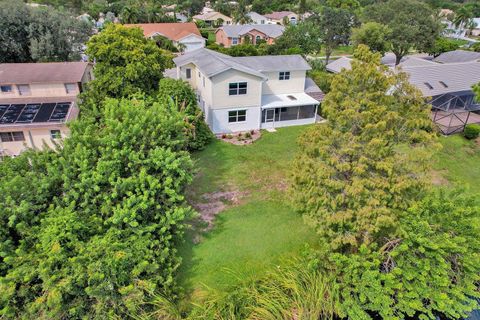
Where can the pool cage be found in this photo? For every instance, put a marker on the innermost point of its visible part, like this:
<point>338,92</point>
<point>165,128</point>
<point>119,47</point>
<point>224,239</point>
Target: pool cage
<point>451,112</point>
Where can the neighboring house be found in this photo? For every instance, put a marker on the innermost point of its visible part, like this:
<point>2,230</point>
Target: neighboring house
<point>248,33</point>
<point>446,82</point>
<point>257,18</point>
<point>457,56</point>
<point>186,34</point>
<point>249,93</point>
<point>280,17</point>
<point>36,101</point>
<point>213,18</point>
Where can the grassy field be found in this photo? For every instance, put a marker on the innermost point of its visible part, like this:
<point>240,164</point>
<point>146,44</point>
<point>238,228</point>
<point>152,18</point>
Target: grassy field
<point>250,237</point>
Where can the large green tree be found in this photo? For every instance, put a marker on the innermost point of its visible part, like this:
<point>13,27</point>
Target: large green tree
<point>39,34</point>
<point>432,268</point>
<point>353,176</point>
<point>412,24</point>
<point>306,36</point>
<point>125,62</point>
<point>374,35</point>
<point>90,230</point>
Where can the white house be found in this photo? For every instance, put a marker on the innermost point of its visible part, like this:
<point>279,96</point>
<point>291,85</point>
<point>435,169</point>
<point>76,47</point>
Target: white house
<point>249,93</point>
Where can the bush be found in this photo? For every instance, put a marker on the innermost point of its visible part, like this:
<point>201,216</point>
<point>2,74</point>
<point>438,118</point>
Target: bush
<point>472,131</point>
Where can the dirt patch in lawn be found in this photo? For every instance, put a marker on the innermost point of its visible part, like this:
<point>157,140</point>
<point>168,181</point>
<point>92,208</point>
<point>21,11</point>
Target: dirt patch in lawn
<point>211,204</point>
<point>438,179</point>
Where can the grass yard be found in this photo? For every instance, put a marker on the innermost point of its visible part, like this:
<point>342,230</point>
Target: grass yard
<point>250,237</point>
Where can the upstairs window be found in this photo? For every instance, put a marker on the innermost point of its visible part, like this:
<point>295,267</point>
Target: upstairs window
<point>12,136</point>
<point>237,116</point>
<point>23,89</point>
<point>6,88</point>
<point>237,88</point>
<point>71,87</point>
<point>284,75</point>
<point>188,73</point>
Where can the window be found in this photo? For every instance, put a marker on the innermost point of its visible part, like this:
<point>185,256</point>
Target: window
<point>237,116</point>
<point>6,88</point>
<point>12,136</point>
<point>203,82</point>
<point>23,89</point>
<point>234,41</point>
<point>55,134</point>
<point>236,88</point>
<point>188,73</point>
<point>71,87</point>
<point>199,74</point>
<point>257,38</point>
<point>262,21</point>
<point>284,75</point>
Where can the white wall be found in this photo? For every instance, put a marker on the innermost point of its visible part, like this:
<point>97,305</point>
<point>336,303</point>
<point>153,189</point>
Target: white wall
<point>294,85</point>
<point>193,43</point>
<point>222,99</point>
<point>220,124</point>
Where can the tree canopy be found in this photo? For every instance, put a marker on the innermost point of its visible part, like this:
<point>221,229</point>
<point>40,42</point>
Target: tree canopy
<point>411,22</point>
<point>351,179</point>
<point>374,35</point>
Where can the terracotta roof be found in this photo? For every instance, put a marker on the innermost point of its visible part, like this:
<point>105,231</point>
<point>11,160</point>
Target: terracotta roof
<point>20,73</point>
<point>278,15</point>
<point>173,31</point>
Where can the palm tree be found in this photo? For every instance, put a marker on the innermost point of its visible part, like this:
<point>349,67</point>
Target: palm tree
<point>240,16</point>
<point>463,18</point>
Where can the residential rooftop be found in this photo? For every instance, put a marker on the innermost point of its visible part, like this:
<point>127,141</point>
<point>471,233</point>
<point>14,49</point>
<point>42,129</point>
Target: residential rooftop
<point>457,56</point>
<point>278,15</point>
<point>49,72</point>
<point>270,30</point>
<point>212,63</point>
<point>174,31</point>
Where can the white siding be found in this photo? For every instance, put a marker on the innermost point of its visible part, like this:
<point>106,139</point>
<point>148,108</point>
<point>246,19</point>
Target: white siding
<point>221,97</point>
<point>220,124</point>
<point>294,85</point>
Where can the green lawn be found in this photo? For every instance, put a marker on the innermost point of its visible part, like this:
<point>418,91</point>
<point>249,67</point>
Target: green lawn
<point>251,237</point>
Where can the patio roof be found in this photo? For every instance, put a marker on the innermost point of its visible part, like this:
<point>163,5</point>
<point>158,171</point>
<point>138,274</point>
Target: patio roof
<point>287,100</point>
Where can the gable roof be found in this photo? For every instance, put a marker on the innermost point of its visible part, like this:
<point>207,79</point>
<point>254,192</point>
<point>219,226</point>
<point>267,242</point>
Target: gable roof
<point>211,16</point>
<point>457,56</point>
<point>256,16</point>
<point>338,65</point>
<point>278,15</point>
<point>270,30</point>
<point>212,63</point>
<point>25,73</point>
<point>173,31</point>
<point>457,77</point>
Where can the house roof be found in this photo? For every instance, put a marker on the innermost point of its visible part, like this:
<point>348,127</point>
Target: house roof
<point>456,77</point>
<point>212,63</point>
<point>255,16</point>
<point>313,90</point>
<point>173,31</point>
<point>270,30</point>
<point>278,15</point>
<point>275,63</point>
<point>290,100</point>
<point>457,56</point>
<point>24,73</point>
<point>338,65</point>
<point>214,15</point>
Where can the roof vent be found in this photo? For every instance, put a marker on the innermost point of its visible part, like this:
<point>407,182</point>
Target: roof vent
<point>443,84</point>
<point>429,86</point>
<point>291,97</point>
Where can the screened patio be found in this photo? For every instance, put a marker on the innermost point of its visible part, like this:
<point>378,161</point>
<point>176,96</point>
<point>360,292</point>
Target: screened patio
<point>451,112</point>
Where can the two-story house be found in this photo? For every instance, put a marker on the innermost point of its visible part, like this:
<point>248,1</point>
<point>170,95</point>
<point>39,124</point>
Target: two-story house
<point>36,101</point>
<point>248,93</point>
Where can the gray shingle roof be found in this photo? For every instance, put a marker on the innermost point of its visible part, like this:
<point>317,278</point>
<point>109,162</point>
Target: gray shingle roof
<point>212,63</point>
<point>457,56</point>
<point>456,77</point>
<point>337,65</point>
<point>270,30</point>
<point>256,16</point>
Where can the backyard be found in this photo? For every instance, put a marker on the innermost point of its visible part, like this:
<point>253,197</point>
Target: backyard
<point>257,227</point>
